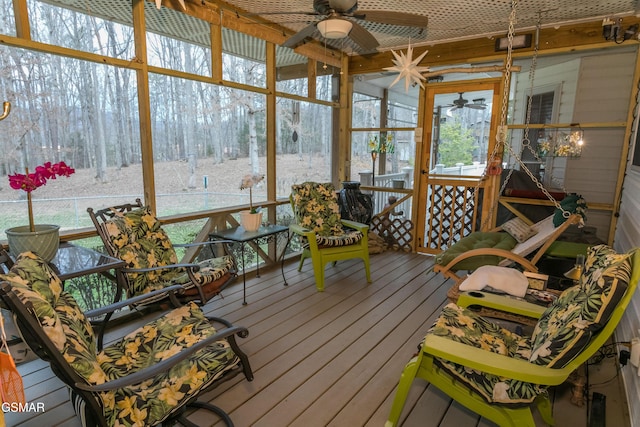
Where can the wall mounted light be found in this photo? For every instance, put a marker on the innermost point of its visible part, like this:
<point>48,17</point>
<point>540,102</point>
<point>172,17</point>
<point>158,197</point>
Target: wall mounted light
<point>519,42</point>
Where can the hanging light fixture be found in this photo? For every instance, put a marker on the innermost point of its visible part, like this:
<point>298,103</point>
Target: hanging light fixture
<point>334,28</point>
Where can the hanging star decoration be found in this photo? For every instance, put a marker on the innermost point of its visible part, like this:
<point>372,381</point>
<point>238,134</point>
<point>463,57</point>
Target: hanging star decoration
<point>408,68</point>
<point>159,3</point>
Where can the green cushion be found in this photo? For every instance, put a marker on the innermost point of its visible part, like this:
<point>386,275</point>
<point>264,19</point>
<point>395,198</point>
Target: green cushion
<point>605,280</point>
<point>477,240</point>
<point>573,203</point>
<point>568,324</point>
<point>562,331</point>
<point>561,249</point>
<point>467,327</point>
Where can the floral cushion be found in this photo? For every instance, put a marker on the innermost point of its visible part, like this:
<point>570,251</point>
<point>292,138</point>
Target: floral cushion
<point>467,327</point>
<point>604,280</point>
<point>568,324</point>
<point>316,208</point>
<point>151,401</point>
<point>138,238</point>
<point>562,331</point>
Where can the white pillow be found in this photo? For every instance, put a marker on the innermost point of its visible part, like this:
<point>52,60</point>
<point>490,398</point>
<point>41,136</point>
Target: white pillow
<point>504,279</point>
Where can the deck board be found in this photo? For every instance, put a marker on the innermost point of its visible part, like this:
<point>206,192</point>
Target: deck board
<point>328,358</point>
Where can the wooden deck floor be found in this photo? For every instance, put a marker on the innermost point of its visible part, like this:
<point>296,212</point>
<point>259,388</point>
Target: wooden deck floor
<point>327,359</point>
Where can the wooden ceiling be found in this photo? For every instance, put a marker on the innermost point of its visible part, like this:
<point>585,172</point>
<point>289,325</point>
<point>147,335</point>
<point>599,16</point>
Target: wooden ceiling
<point>449,20</point>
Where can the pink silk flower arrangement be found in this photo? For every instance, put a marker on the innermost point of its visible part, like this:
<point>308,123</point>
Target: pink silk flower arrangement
<point>30,181</point>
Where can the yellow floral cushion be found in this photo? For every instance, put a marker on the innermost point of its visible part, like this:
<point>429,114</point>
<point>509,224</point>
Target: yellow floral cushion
<point>138,238</point>
<point>316,208</point>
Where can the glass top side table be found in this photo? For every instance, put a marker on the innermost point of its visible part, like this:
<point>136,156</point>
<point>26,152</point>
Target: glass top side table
<point>264,234</point>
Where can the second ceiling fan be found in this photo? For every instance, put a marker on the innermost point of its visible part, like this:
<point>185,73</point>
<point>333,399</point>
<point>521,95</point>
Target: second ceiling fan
<point>460,102</point>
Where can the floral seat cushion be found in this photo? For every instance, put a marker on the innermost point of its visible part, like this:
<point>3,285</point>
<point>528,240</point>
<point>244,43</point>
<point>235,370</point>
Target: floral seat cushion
<point>151,401</point>
<point>138,238</point>
<point>568,324</point>
<point>467,327</point>
<point>317,209</point>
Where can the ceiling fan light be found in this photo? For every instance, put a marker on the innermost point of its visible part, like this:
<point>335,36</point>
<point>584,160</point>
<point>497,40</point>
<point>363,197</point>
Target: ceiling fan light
<point>334,28</point>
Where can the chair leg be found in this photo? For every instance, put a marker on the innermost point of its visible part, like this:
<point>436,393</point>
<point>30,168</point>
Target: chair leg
<point>367,269</point>
<point>544,407</point>
<point>406,379</point>
<point>305,254</point>
<point>318,273</point>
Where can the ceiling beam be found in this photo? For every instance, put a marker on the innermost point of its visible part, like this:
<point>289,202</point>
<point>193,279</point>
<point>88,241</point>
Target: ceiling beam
<point>569,38</point>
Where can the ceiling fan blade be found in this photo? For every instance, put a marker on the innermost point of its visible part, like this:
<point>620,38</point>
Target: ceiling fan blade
<point>363,38</point>
<point>392,18</point>
<point>281,13</point>
<point>298,38</point>
<point>476,106</point>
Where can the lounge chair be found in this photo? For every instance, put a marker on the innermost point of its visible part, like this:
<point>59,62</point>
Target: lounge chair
<point>514,241</point>
<point>499,374</point>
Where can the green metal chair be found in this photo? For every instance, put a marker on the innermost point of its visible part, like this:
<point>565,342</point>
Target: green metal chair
<point>501,375</point>
<point>326,237</point>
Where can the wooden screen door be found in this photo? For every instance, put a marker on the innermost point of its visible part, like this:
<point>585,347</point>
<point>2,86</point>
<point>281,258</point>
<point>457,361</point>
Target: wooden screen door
<point>460,121</point>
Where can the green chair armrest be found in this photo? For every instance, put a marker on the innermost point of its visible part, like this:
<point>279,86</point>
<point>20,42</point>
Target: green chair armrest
<point>493,363</point>
<point>501,303</point>
<point>298,229</point>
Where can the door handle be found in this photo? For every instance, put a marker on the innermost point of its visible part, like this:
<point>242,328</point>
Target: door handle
<point>424,172</point>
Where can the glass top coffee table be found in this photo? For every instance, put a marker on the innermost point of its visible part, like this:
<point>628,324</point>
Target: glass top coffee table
<point>238,235</point>
<point>75,261</point>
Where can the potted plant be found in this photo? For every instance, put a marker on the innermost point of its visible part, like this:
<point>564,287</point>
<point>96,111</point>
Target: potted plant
<point>42,239</point>
<point>252,218</point>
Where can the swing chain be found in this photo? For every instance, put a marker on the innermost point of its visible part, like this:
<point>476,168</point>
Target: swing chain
<point>501,133</point>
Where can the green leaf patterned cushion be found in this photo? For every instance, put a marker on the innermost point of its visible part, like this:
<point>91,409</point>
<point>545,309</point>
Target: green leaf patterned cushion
<point>34,282</point>
<point>316,208</point>
<point>568,324</point>
<point>141,243</point>
<point>464,326</point>
<point>154,400</point>
<point>138,238</point>
<point>605,280</point>
<point>562,331</point>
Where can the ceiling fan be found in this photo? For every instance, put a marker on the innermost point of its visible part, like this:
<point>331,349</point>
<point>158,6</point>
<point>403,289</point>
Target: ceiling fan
<point>339,19</point>
<point>478,104</point>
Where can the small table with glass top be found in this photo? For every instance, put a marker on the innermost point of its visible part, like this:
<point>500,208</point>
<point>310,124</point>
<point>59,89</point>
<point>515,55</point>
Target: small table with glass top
<point>264,234</point>
<point>75,261</point>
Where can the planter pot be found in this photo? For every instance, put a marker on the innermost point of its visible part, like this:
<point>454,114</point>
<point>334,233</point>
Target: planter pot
<point>250,221</point>
<point>44,241</point>
<point>397,183</point>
